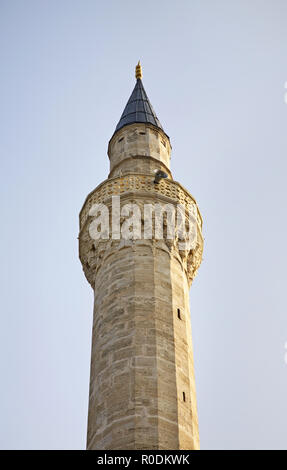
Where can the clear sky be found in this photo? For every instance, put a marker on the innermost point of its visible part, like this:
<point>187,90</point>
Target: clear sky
<point>214,71</point>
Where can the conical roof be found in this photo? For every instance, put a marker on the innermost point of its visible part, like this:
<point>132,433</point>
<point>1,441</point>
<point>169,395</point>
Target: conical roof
<point>138,108</point>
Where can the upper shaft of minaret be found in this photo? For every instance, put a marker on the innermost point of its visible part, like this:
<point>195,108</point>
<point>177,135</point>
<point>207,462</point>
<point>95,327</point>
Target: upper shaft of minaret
<point>139,143</point>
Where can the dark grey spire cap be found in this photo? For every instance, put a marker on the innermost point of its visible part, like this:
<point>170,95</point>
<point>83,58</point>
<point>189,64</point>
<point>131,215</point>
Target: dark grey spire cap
<point>138,109</point>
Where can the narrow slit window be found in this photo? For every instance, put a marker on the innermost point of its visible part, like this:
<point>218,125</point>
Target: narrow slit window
<point>178,313</point>
<point>183,396</point>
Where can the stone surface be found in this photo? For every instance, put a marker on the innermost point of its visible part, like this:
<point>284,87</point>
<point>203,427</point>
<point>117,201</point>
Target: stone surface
<point>142,386</point>
<point>135,141</point>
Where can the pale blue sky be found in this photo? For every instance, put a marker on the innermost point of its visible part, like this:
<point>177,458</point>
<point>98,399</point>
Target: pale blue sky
<point>214,71</point>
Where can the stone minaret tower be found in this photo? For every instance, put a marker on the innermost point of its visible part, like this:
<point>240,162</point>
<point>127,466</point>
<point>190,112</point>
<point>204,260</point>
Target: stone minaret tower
<point>142,387</point>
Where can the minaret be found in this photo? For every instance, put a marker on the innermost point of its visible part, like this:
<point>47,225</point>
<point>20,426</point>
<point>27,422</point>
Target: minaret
<point>142,386</point>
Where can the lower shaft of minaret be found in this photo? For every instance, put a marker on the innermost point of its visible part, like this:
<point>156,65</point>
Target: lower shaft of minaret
<point>142,389</point>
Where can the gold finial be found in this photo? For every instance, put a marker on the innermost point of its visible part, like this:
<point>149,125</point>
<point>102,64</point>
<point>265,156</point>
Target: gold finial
<point>139,73</point>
